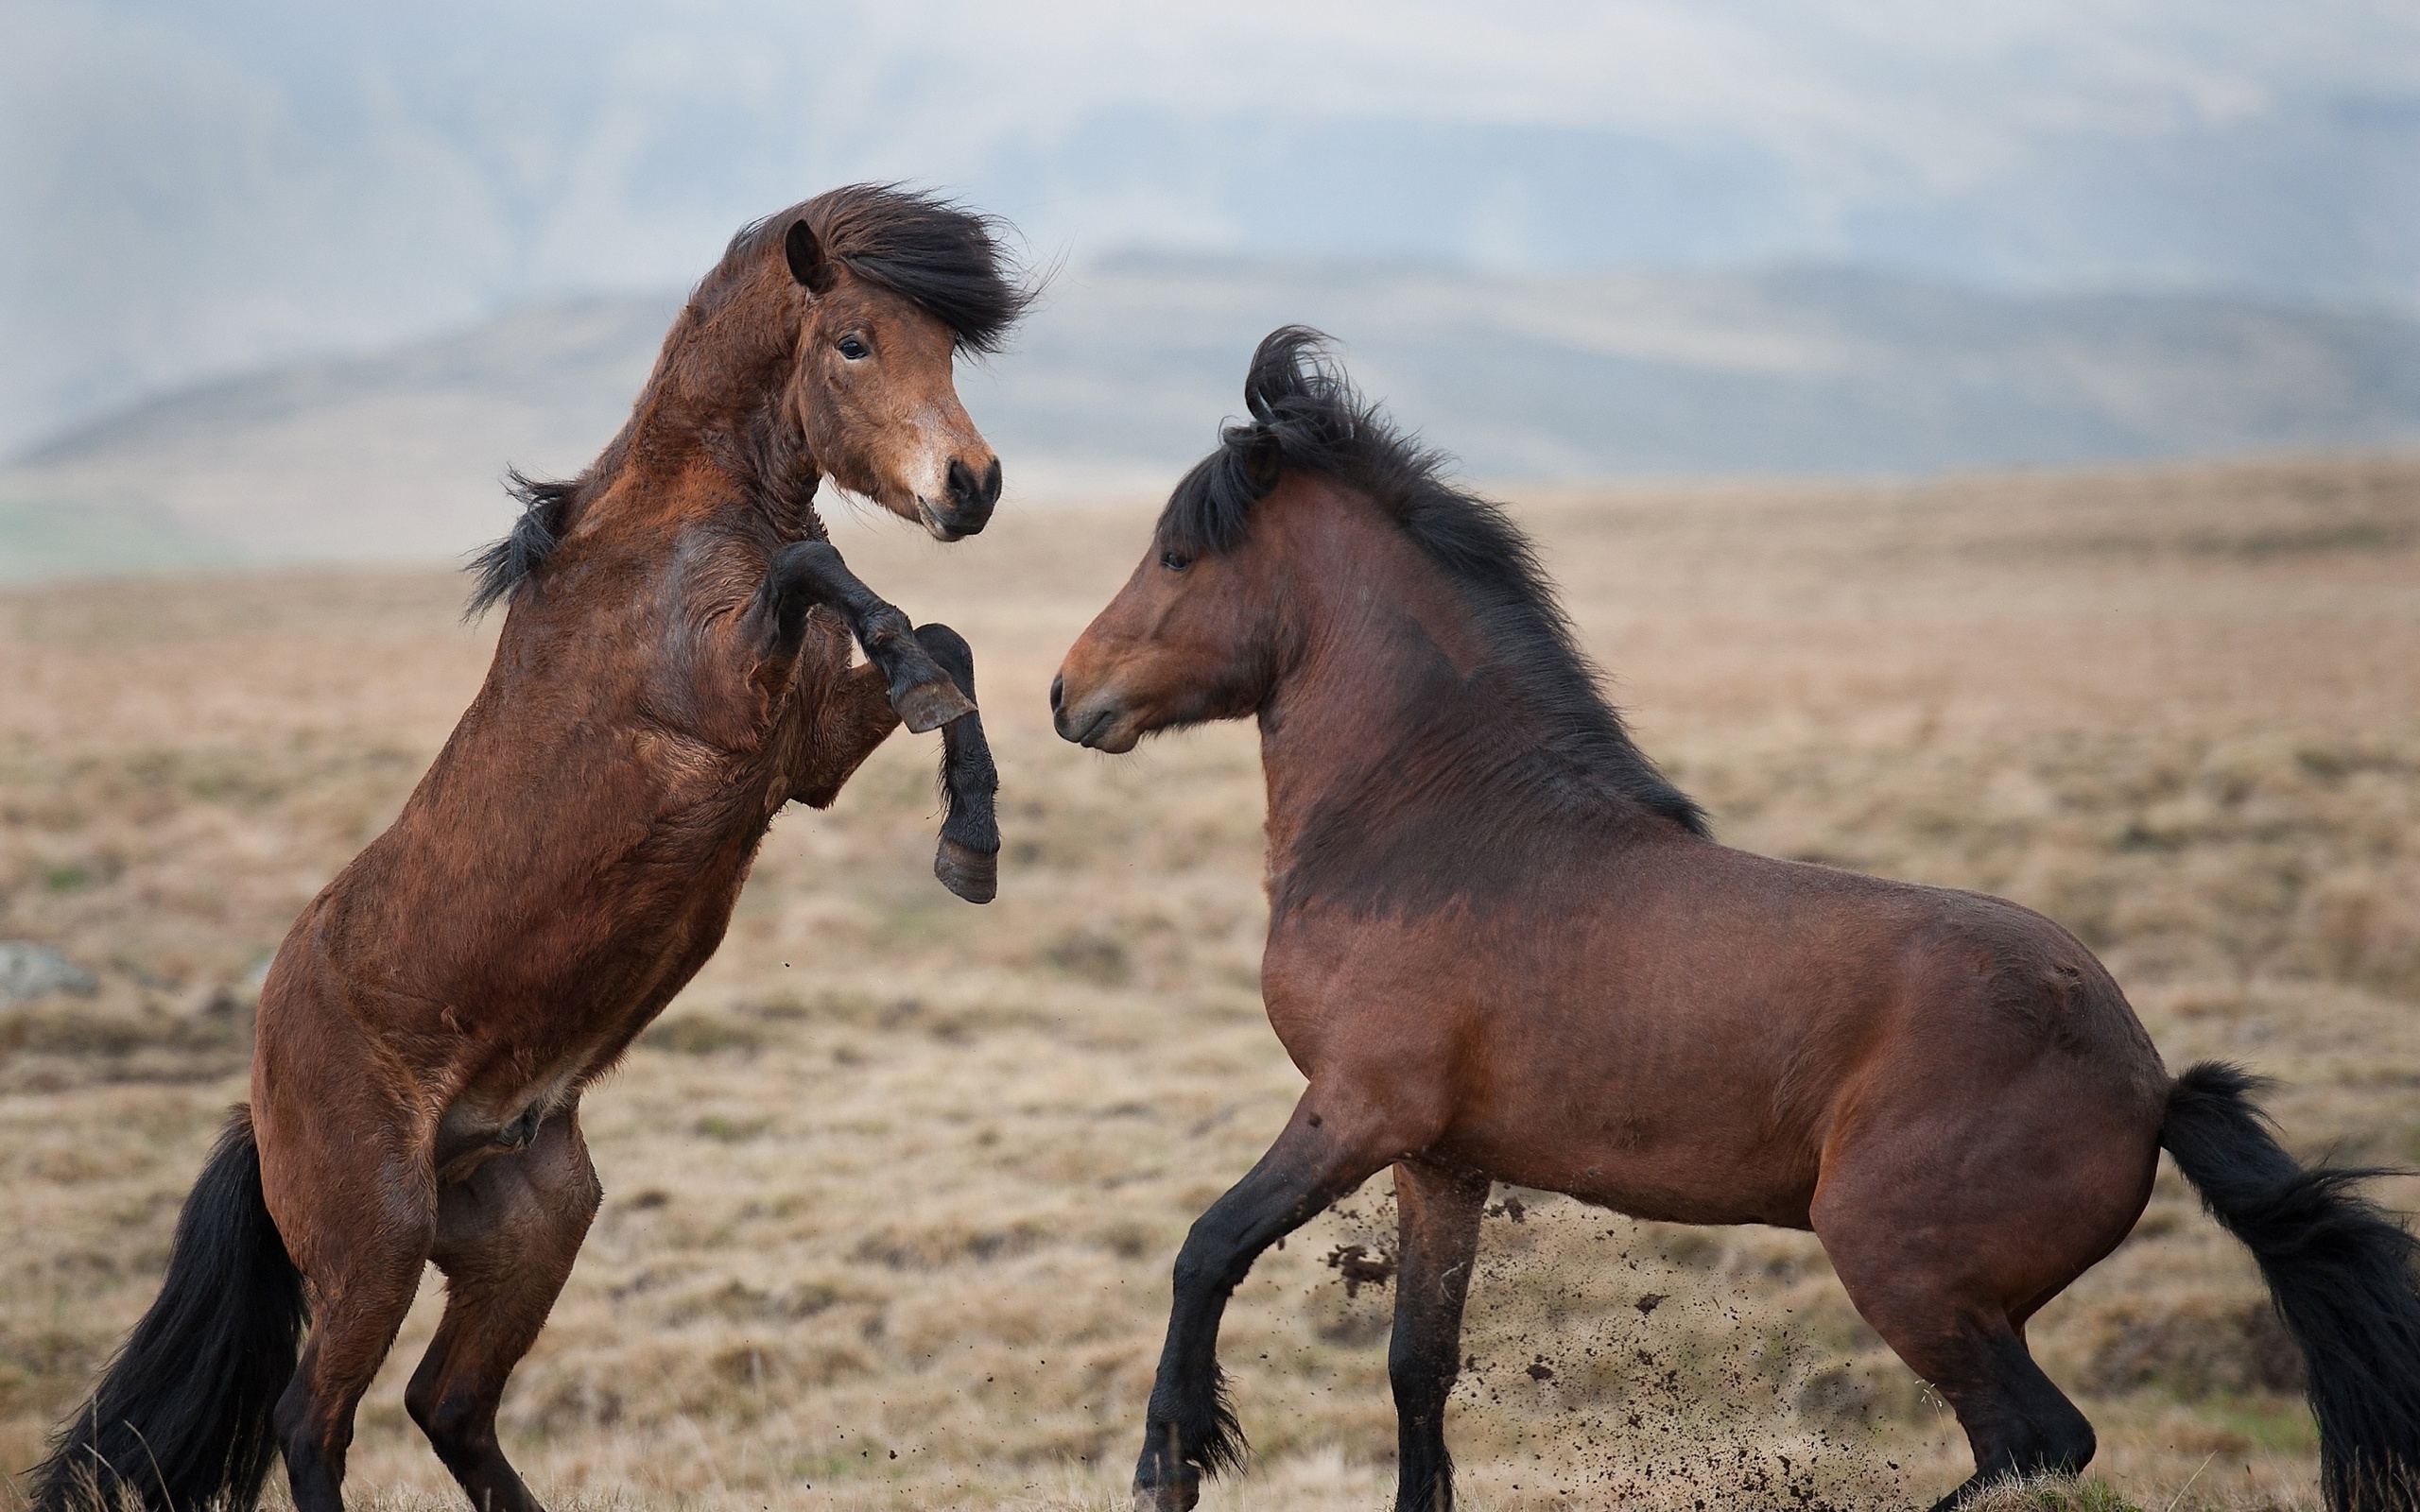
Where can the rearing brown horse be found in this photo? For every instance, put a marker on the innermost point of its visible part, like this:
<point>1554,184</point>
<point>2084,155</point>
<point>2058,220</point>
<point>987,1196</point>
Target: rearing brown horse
<point>1502,947</point>
<point>675,668</point>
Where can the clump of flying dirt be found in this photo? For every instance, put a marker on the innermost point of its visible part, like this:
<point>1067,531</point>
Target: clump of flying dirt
<point>1359,1267</point>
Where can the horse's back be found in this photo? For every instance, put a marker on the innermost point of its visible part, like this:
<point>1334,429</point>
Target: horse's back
<point>1920,987</point>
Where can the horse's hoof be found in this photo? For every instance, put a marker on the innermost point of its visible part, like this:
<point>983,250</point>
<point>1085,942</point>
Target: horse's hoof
<point>930,705</point>
<point>974,875</point>
<point>1178,1498</point>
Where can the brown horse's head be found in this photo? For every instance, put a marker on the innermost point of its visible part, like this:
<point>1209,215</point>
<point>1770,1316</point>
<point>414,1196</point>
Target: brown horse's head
<point>1200,631</point>
<point>1319,561</point>
<point>1193,636</point>
<point>894,284</point>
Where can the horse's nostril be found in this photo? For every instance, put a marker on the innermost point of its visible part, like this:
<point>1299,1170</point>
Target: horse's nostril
<point>1058,691</point>
<point>969,493</point>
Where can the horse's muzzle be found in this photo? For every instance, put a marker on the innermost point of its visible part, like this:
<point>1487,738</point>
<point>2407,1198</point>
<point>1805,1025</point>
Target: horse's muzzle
<point>967,508</point>
<point>1098,726</point>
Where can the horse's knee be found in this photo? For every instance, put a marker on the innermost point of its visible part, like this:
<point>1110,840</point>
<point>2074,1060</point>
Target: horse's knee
<point>1199,1272</point>
<point>1215,1254</point>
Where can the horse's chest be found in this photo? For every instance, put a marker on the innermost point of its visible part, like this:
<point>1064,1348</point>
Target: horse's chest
<point>1337,989</point>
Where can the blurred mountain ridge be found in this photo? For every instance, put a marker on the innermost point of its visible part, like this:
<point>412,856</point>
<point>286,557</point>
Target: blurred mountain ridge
<point>1123,375</point>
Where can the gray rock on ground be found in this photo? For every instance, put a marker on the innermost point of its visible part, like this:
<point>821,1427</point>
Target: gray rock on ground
<point>29,971</point>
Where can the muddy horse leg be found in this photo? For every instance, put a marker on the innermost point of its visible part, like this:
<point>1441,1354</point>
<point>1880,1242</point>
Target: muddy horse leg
<point>1438,1219</point>
<point>506,1239</point>
<point>809,573</point>
<point>1190,1429</point>
<point>968,859</point>
<point>360,1228</point>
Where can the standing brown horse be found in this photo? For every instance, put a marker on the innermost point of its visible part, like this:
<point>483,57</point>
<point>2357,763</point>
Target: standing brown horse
<point>1501,946</point>
<point>675,668</point>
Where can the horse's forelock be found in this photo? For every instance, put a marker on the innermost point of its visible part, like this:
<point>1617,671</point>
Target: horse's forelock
<point>949,260</point>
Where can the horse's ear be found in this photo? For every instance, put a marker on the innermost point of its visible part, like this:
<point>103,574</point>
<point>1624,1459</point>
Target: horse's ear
<point>808,263</point>
<point>1264,461</point>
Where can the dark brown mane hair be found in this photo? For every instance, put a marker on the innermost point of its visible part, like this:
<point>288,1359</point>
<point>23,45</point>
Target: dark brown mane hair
<point>950,261</point>
<point>1307,414</point>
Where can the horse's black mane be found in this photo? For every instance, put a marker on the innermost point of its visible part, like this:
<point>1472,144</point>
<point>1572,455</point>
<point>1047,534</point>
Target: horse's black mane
<point>947,259</point>
<point>500,569</point>
<point>1307,414</point>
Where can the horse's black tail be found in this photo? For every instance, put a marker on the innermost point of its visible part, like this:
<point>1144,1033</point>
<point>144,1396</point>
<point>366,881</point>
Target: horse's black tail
<point>181,1419</point>
<point>2341,1271</point>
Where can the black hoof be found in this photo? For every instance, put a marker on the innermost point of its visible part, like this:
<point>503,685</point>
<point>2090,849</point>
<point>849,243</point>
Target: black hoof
<point>1178,1496</point>
<point>930,705</point>
<point>974,875</point>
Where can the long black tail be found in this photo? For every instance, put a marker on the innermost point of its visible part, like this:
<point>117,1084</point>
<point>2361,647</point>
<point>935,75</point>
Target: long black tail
<point>2341,1271</point>
<point>181,1419</point>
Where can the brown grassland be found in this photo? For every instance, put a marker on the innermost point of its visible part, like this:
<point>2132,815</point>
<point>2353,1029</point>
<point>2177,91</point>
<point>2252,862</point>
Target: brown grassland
<point>893,1188</point>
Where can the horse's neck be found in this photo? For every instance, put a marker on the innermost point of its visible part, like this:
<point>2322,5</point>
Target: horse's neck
<point>708,425</point>
<point>1356,724</point>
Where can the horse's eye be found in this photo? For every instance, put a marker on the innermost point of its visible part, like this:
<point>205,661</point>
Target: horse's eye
<point>855,350</point>
<point>1175,561</point>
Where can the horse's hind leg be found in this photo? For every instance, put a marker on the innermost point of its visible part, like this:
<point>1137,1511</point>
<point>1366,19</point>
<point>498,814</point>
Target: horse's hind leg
<point>1948,1279</point>
<point>506,1239</point>
<point>2017,1422</point>
<point>1438,1217</point>
<point>358,1213</point>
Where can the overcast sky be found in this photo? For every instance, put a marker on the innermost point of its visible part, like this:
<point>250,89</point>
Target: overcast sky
<point>196,187</point>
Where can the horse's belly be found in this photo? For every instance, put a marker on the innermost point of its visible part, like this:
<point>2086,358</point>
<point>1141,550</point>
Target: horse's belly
<point>1695,1181</point>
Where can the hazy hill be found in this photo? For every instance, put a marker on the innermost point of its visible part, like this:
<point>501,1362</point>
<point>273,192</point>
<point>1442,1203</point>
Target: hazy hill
<point>1122,377</point>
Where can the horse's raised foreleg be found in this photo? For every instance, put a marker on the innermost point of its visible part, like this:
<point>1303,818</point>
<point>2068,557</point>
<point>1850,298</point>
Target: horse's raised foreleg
<point>858,717</point>
<point>506,1239</point>
<point>809,573</point>
<point>1437,1220</point>
<point>862,714</point>
<point>968,859</point>
<point>1326,1152</point>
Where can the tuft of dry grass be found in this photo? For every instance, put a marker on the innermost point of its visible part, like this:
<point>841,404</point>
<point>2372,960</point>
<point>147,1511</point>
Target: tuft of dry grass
<point>893,1188</point>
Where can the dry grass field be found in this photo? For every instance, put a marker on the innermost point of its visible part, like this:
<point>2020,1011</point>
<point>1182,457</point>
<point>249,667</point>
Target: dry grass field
<point>893,1188</point>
